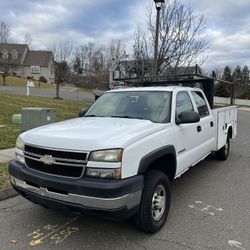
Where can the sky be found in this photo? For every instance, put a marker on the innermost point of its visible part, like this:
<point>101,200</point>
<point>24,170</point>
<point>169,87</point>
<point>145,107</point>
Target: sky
<point>99,21</point>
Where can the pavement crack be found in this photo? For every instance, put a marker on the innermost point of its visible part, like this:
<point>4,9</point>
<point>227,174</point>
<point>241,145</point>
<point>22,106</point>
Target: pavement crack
<point>174,242</point>
<point>118,235</point>
<point>15,210</point>
<point>15,205</point>
<point>131,240</point>
<point>208,247</point>
<point>204,217</point>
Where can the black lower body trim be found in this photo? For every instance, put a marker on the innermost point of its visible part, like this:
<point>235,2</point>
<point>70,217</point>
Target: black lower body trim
<point>115,214</point>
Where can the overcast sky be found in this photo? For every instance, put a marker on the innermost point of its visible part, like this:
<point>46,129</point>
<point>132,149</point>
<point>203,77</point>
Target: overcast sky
<point>228,24</point>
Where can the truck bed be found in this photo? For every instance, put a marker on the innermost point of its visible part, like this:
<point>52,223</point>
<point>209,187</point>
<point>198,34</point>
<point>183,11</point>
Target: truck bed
<point>224,117</point>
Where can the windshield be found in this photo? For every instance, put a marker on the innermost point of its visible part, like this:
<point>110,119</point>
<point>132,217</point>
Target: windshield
<point>148,105</point>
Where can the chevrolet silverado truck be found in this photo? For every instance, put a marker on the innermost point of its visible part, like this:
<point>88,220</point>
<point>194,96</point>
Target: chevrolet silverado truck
<point>119,158</point>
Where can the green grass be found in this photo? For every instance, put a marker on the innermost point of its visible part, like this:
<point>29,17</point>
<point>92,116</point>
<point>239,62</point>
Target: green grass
<point>13,81</point>
<point>12,104</point>
<point>4,176</point>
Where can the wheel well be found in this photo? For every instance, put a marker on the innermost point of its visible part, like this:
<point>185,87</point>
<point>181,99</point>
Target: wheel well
<point>230,132</point>
<point>166,164</point>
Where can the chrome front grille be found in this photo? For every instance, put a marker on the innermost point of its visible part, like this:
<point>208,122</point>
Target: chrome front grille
<point>55,162</point>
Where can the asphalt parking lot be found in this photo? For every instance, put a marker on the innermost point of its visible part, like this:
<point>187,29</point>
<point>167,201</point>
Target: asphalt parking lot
<point>210,209</point>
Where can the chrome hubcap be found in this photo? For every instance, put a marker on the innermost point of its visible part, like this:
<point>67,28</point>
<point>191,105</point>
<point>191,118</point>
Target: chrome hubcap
<point>158,202</point>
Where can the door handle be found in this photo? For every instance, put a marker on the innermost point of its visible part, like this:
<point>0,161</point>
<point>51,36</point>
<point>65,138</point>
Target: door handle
<point>211,124</point>
<point>198,128</point>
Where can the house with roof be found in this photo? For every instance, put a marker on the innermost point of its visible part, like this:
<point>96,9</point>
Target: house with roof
<point>122,70</point>
<point>129,69</point>
<point>27,63</point>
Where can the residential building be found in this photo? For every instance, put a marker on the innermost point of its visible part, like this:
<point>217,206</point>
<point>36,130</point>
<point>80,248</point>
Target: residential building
<point>122,70</point>
<point>27,63</point>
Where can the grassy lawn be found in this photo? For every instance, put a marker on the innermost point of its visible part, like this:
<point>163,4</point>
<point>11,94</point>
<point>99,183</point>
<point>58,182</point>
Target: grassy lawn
<point>12,104</point>
<point>4,176</point>
<point>13,81</point>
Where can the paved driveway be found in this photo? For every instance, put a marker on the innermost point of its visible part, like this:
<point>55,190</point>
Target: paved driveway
<point>210,210</point>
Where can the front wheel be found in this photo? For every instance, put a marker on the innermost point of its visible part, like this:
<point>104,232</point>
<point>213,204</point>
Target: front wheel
<point>155,202</point>
<point>223,153</point>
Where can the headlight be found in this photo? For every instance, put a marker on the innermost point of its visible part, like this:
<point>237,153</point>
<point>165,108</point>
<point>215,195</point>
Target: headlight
<point>114,174</point>
<point>19,144</point>
<point>19,149</point>
<point>20,158</point>
<point>110,155</point>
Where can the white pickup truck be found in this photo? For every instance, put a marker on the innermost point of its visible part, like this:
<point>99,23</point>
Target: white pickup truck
<point>119,158</point>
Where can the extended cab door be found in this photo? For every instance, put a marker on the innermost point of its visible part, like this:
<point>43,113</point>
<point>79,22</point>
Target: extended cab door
<point>207,131</point>
<point>187,140</point>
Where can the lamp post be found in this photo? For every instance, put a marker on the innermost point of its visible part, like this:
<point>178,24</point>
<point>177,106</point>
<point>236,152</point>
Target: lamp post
<point>158,5</point>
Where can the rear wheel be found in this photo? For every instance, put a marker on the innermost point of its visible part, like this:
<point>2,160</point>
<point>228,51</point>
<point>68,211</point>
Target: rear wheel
<point>155,202</point>
<point>223,153</point>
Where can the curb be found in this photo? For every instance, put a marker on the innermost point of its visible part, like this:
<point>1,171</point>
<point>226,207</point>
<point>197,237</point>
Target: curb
<point>6,155</point>
<point>243,109</point>
<point>7,193</point>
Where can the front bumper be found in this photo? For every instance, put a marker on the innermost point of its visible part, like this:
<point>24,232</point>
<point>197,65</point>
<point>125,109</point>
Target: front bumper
<point>114,198</point>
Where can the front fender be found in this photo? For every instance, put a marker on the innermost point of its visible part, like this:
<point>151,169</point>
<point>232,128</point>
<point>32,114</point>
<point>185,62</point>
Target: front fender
<point>154,155</point>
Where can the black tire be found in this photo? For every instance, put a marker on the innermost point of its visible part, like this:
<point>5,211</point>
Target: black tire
<point>223,153</point>
<point>146,219</point>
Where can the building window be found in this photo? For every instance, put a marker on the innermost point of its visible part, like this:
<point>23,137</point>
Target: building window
<point>5,54</point>
<point>14,55</point>
<point>35,70</point>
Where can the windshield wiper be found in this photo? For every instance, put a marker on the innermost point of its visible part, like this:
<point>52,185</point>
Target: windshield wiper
<point>90,116</point>
<point>95,116</point>
<point>127,116</point>
<point>117,116</point>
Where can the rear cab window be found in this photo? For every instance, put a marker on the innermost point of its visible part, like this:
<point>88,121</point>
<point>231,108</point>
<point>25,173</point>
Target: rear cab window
<point>201,103</point>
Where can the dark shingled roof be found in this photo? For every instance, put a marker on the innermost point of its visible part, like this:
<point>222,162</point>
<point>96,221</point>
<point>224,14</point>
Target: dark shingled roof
<point>168,71</point>
<point>181,71</point>
<point>133,63</point>
<point>35,58</point>
<point>38,58</point>
<point>11,46</point>
<point>20,48</point>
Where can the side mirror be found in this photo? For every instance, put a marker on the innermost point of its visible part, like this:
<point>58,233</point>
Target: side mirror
<point>82,112</point>
<point>188,117</point>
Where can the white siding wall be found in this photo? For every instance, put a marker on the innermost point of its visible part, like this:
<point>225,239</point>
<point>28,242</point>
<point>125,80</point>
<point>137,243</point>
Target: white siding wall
<point>44,71</point>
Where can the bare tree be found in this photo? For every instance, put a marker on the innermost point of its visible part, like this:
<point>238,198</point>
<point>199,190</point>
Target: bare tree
<point>5,67</point>
<point>141,54</point>
<point>93,62</point>
<point>4,33</point>
<point>62,52</point>
<point>27,38</point>
<point>114,50</point>
<point>83,59</point>
<point>181,39</point>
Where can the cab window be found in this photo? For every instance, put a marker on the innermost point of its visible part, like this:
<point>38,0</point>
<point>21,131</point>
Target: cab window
<point>200,103</point>
<point>183,103</point>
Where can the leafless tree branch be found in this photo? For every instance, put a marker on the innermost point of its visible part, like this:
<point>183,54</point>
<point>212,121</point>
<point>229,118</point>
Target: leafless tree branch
<point>181,38</point>
<point>4,33</point>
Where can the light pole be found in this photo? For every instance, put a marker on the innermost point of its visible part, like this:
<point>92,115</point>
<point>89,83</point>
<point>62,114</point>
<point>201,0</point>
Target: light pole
<point>158,5</point>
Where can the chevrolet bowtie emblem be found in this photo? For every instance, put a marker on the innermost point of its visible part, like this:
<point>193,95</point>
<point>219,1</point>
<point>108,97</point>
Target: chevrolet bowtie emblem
<point>47,159</point>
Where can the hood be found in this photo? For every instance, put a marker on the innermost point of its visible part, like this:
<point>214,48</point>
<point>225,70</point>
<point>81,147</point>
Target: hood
<point>91,133</point>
